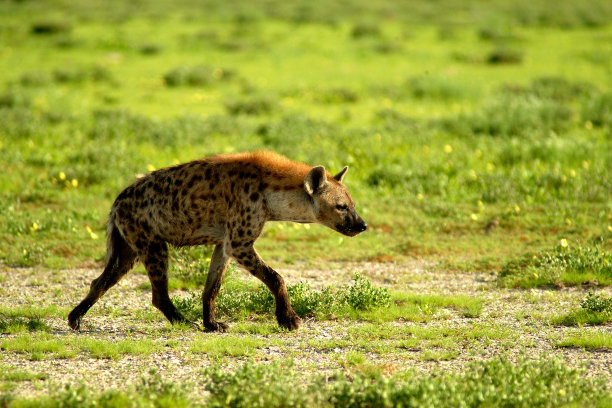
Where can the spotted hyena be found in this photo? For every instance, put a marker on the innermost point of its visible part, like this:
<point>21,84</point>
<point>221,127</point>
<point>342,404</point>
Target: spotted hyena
<point>224,201</point>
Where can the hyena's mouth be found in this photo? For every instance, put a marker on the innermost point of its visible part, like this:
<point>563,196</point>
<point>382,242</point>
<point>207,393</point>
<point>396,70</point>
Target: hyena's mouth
<point>352,229</point>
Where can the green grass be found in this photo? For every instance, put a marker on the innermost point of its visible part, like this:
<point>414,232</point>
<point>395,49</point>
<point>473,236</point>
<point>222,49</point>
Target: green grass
<point>359,301</point>
<point>41,345</point>
<point>598,340</point>
<point>595,309</point>
<point>580,317</point>
<point>102,349</point>
<point>152,390</point>
<point>32,312</point>
<point>496,382</point>
<point>418,308</point>
<point>16,325</point>
<point>16,375</point>
<point>38,345</point>
<point>457,141</point>
<point>238,300</point>
<point>561,267</point>
<point>430,343</point>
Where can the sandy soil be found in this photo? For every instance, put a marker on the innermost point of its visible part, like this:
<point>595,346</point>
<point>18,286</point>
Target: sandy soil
<point>126,312</point>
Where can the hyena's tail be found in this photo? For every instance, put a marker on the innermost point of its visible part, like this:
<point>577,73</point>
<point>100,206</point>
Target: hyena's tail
<point>113,239</point>
<point>118,250</point>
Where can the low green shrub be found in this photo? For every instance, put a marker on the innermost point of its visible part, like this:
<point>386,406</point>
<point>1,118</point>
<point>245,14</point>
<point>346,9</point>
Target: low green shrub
<point>597,303</point>
<point>504,55</point>
<point>560,267</point>
<point>361,295</point>
<point>595,309</point>
<point>366,29</point>
<point>50,26</point>
<point>336,95</point>
<point>152,391</point>
<point>199,75</point>
<point>254,105</point>
<point>257,386</point>
<point>16,325</point>
<point>236,300</point>
<point>428,87</point>
<point>598,110</point>
<point>77,75</point>
<point>494,383</point>
<point>35,78</point>
<point>497,33</point>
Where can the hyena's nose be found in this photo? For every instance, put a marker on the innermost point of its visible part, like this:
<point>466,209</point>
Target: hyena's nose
<point>360,224</point>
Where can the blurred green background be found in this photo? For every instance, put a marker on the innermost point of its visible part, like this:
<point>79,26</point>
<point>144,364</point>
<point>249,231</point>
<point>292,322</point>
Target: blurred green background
<point>478,132</point>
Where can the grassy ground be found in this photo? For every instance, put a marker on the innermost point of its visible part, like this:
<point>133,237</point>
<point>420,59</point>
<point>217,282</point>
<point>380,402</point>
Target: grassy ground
<point>478,135</point>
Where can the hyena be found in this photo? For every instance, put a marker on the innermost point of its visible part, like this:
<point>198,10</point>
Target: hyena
<point>224,201</point>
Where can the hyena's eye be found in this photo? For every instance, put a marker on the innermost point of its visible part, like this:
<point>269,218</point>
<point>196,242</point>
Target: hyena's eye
<point>342,207</point>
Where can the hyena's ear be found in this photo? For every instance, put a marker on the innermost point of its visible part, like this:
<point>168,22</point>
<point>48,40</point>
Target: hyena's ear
<point>341,174</point>
<point>315,180</point>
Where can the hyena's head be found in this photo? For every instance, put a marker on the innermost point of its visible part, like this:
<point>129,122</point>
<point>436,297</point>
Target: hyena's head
<point>332,203</point>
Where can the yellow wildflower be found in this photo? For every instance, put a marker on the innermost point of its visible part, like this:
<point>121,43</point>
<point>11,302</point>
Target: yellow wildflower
<point>62,175</point>
<point>92,234</point>
<point>150,167</point>
<point>474,217</point>
<point>75,183</point>
<point>448,148</point>
<point>563,243</point>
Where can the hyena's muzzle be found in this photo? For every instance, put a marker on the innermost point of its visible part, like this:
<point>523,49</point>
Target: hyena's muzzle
<point>352,224</point>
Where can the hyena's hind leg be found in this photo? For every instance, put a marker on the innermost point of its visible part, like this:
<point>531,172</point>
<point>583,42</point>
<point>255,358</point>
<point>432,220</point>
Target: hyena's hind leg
<point>121,260</point>
<point>155,259</point>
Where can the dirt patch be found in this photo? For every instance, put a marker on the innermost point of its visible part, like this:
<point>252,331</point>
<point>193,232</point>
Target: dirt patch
<point>125,312</point>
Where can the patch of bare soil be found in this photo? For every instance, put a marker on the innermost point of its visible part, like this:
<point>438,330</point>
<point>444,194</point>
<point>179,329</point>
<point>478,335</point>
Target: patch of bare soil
<point>125,312</point>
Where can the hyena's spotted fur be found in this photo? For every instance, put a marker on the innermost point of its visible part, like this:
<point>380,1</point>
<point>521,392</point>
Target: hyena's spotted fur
<point>223,201</point>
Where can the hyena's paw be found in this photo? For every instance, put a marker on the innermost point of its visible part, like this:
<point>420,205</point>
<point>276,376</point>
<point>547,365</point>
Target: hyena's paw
<point>289,320</point>
<point>215,327</point>
<point>74,321</point>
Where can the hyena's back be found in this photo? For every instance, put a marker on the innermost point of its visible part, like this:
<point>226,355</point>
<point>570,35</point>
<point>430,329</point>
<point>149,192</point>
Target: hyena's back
<point>186,204</point>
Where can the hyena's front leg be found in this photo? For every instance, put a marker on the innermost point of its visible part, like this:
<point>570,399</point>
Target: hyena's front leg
<point>285,315</point>
<point>218,265</point>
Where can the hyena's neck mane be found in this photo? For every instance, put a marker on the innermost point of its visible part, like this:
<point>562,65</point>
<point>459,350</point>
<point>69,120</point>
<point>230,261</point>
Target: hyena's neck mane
<point>277,170</point>
<point>285,196</point>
